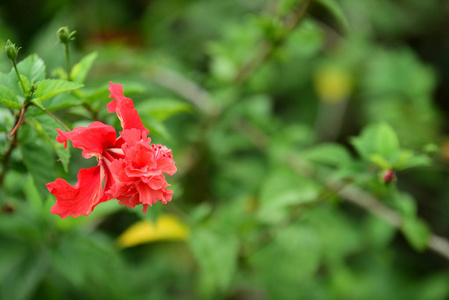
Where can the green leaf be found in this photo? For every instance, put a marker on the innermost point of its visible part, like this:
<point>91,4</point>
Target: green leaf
<point>216,253</point>
<point>46,127</point>
<point>11,104</point>
<point>157,127</point>
<point>163,108</point>
<point>330,154</point>
<point>281,190</point>
<point>38,159</point>
<point>32,67</point>
<point>409,159</point>
<point>293,256</point>
<point>80,70</point>
<point>336,10</point>
<point>378,139</point>
<point>417,232</point>
<point>51,87</point>
<point>387,143</point>
<point>9,97</point>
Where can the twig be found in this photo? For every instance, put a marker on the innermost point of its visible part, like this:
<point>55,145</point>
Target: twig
<point>368,202</point>
<point>184,87</point>
<point>266,48</point>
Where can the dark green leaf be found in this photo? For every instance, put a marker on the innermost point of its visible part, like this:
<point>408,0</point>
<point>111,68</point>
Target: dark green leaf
<point>38,159</point>
<point>336,10</point>
<point>46,127</point>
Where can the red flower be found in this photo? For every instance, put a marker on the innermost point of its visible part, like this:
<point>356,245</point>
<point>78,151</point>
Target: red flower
<point>129,169</point>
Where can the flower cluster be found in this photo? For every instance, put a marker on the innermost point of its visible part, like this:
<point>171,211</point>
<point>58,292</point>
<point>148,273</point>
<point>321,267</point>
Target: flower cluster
<point>130,168</point>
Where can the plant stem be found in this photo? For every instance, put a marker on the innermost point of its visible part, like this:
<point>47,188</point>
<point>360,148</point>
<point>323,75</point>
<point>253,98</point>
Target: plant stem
<point>19,121</point>
<point>266,48</point>
<point>55,118</point>
<point>18,76</point>
<point>67,60</point>
<point>7,157</point>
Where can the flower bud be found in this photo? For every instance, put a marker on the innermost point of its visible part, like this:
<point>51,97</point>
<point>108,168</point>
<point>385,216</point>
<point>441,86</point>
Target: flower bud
<point>388,176</point>
<point>11,50</point>
<point>65,36</point>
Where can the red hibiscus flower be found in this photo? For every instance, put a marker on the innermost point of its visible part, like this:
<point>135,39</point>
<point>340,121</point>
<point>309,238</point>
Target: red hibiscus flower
<point>130,168</point>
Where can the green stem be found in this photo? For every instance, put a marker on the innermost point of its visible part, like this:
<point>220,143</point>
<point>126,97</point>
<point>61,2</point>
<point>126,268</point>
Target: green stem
<point>67,60</point>
<point>18,76</point>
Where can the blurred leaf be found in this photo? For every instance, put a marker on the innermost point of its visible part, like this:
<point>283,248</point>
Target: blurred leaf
<point>283,189</point>
<point>81,69</point>
<point>387,143</point>
<point>216,253</point>
<point>294,255</point>
<point>408,159</point>
<point>333,83</point>
<point>331,154</point>
<point>163,108</point>
<point>51,87</point>
<point>336,10</point>
<point>378,139</point>
<point>157,127</point>
<point>9,97</point>
<point>416,232</point>
<point>166,228</point>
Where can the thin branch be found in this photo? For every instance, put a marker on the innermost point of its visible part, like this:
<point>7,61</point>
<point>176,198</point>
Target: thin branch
<point>55,118</point>
<point>368,202</point>
<point>266,48</point>
<point>184,87</point>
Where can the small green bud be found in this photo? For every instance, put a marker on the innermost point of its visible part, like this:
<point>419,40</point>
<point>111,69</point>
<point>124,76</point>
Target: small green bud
<point>65,36</point>
<point>11,50</point>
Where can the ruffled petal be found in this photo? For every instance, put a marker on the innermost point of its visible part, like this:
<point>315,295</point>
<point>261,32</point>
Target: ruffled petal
<point>79,199</point>
<point>93,139</point>
<point>124,108</point>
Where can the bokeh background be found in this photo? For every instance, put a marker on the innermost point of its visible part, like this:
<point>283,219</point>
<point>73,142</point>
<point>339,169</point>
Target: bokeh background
<point>237,89</point>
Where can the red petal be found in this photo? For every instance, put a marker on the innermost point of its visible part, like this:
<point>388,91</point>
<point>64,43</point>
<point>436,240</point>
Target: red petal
<point>79,199</point>
<point>93,139</point>
<point>124,108</point>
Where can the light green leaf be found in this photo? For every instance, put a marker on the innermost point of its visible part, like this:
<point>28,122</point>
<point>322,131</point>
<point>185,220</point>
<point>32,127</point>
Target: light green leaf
<point>377,139</point>
<point>387,143</point>
<point>163,108</point>
<point>32,67</point>
<point>80,70</point>
<point>330,154</point>
<point>380,161</point>
<point>9,97</point>
<point>50,87</point>
<point>336,10</point>
<point>409,159</point>
<point>11,104</point>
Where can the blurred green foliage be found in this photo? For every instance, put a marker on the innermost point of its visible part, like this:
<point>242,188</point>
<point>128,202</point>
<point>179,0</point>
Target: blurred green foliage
<point>264,104</point>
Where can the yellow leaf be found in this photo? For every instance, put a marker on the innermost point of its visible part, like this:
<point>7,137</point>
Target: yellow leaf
<point>333,84</point>
<point>166,228</point>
